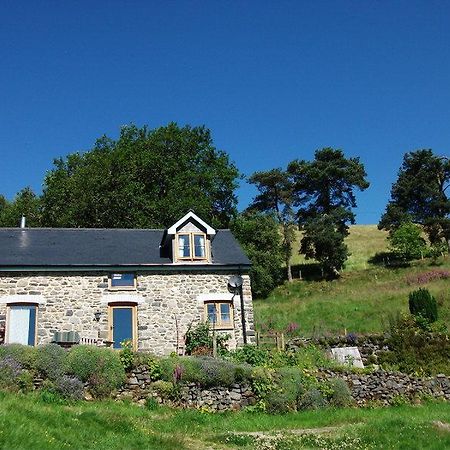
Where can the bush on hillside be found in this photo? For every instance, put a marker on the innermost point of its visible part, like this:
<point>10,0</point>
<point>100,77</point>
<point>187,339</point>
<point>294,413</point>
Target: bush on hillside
<point>416,350</point>
<point>50,361</point>
<point>422,303</point>
<point>100,368</point>
<point>23,354</point>
<point>407,243</point>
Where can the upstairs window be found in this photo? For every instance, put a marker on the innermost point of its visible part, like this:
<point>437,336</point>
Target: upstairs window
<point>122,281</point>
<point>219,314</point>
<point>191,246</point>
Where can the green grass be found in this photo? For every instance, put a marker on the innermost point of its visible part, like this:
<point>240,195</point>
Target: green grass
<point>363,242</point>
<point>26,422</point>
<point>360,301</point>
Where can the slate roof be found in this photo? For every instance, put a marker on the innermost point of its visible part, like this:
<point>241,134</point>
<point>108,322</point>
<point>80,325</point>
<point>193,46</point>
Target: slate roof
<point>78,247</point>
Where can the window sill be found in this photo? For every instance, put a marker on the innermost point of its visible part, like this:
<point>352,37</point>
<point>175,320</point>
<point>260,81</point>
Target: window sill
<point>122,288</point>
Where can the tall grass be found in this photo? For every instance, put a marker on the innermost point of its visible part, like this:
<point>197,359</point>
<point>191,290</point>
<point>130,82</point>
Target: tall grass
<point>360,301</point>
<point>27,422</point>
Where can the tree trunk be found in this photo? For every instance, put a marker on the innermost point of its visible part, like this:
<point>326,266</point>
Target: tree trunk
<point>289,270</point>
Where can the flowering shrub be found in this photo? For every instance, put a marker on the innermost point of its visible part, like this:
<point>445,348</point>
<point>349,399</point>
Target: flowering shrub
<point>100,368</point>
<point>71,388</point>
<point>426,277</point>
<point>50,360</point>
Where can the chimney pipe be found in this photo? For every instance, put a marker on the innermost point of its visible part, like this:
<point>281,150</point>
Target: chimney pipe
<point>22,222</point>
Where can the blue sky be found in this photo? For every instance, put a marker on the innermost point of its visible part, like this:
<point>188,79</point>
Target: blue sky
<point>274,81</point>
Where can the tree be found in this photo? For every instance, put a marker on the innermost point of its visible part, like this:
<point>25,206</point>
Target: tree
<point>419,196</point>
<point>275,196</point>
<point>259,235</point>
<point>407,242</point>
<point>323,190</point>
<point>26,203</point>
<point>147,178</point>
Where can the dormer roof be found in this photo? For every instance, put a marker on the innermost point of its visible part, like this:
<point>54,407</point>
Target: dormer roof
<point>191,217</point>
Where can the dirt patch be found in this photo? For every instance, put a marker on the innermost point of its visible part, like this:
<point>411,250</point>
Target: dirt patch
<point>442,426</point>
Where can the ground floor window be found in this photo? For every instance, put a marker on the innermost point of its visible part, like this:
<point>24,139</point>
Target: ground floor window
<point>21,324</point>
<point>123,324</point>
<point>219,314</point>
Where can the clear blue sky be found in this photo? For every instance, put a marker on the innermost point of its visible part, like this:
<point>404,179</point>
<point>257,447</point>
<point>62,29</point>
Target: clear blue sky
<point>274,80</point>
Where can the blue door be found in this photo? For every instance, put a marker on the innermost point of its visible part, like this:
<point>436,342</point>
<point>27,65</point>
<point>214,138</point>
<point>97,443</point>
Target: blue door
<point>122,325</point>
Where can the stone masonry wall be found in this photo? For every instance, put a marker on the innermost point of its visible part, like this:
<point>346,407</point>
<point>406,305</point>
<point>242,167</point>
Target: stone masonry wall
<point>165,301</point>
<point>379,386</point>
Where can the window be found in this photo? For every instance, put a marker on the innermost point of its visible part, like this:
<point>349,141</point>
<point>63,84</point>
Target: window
<point>219,314</point>
<point>122,281</point>
<point>21,324</point>
<point>191,246</point>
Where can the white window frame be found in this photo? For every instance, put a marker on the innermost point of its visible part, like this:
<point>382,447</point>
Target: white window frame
<point>191,237</point>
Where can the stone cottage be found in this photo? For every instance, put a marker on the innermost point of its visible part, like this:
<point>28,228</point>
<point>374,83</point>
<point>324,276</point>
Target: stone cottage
<point>111,285</point>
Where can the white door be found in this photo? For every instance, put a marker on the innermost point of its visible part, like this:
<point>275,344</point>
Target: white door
<point>22,324</point>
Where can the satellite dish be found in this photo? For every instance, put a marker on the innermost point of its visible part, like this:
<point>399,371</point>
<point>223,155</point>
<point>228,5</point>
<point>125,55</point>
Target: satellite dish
<point>235,283</point>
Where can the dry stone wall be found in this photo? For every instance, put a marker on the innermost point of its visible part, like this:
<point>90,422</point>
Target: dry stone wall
<point>380,386</point>
<point>385,387</point>
<point>167,303</point>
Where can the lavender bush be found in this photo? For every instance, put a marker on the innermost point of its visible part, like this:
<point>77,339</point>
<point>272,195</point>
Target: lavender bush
<point>71,388</point>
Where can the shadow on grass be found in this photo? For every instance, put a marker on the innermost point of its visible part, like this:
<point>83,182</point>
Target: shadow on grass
<point>389,260</point>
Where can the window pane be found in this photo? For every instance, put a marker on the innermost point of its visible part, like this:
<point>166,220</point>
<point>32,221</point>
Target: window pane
<point>225,315</point>
<point>184,247</point>
<point>122,325</point>
<point>199,246</point>
<point>211,309</point>
<point>122,279</point>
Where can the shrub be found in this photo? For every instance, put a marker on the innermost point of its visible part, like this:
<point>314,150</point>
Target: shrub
<point>199,340</point>
<point>287,392</point>
<point>10,371</point>
<point>406,241</point>
<point>100,368</point>
<point>252,355</point>
<point>312,399</point>
<point>198,337</point>
<point>422,303</point>
<point>127,354</point>
<point>166,390</point>
<point>71,388</point>
<point>341,394</point>
<point>23,354</point>
<point>416,350</point>
<point>50,361</point>
<point>216,372</point>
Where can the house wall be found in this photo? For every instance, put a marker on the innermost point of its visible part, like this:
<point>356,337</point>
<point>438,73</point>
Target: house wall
<point>70,300</point>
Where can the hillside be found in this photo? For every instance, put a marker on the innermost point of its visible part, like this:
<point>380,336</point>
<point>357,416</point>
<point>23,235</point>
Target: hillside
<point>361,301</point>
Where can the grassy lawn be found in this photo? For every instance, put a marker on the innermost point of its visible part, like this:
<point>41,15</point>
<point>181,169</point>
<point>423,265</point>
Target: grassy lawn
<point>26,422</point>
<point>360,301</point>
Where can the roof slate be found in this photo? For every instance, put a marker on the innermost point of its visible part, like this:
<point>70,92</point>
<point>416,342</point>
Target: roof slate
<point>52,247</point>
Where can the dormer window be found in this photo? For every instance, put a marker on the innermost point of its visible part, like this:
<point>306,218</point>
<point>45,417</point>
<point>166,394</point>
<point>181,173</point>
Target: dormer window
<point>190,239</point>
<point>191,246</point>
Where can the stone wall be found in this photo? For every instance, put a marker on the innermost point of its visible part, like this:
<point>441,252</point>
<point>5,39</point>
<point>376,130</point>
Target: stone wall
<point>385,387</point>
<point>380,386</point>
<point>139,387</point>
<point>369,346</point>
<point>167,303</point>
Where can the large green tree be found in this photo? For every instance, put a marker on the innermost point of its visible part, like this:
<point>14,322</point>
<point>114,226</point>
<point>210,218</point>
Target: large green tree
<point>259,235</point>
<point>275,196</point>
<point>420,195</point>
<point>26,203</point>
<point>324,192</point>
<point>146,178</point>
